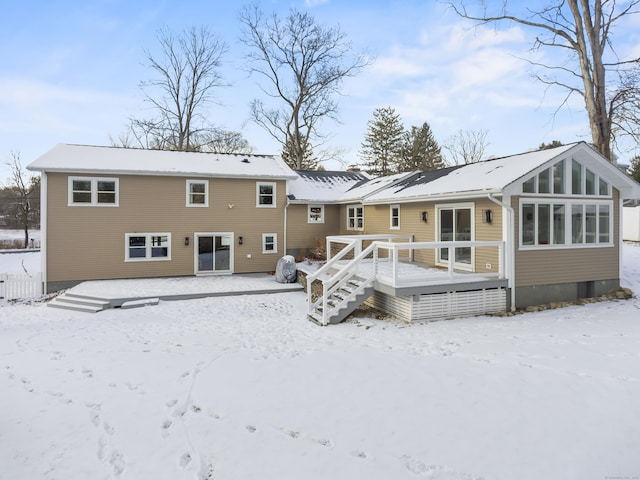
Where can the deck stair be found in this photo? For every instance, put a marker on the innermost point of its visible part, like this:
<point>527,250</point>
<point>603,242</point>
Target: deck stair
<point>344,288</point>
<point>79,303</point>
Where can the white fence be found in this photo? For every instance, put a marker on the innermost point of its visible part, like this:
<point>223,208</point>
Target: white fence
<point>14,286</point>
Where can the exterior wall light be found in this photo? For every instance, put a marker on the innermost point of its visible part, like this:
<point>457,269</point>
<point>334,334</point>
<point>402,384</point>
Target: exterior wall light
<point>425,217</point>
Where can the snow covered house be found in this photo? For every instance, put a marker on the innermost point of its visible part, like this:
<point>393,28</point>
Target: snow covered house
<point>129,213</point>
<point>527,229</point>
<point>522,230</point>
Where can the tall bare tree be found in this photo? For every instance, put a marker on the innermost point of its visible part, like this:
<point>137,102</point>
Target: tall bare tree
<point>466,146</point>
<point>24,190</point>
<point>608,84</point>
<point>187,74</point>
<point>302,65</point>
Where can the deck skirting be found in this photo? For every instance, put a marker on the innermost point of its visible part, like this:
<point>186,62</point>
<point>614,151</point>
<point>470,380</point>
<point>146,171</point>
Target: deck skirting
<point>440,306</point>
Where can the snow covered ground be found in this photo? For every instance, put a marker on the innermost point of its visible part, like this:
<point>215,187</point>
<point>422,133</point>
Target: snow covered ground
<point>245,388</point>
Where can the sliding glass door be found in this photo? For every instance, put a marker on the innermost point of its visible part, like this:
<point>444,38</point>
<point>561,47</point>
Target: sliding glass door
<point>455,224</point>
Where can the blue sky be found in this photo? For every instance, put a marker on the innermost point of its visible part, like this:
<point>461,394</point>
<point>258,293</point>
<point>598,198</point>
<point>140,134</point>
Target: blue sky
<point>70,72</point>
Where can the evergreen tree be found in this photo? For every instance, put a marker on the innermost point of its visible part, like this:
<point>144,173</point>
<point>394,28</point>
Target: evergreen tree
<point>420,150</point>
<point>553,144</point>
<point>308,161</point>
<point>634,168</point>
<point>382,146</point>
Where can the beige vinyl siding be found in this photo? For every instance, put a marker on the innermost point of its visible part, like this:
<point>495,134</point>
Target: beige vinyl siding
<point>567,265</point>
<point>377,221</point>
<point>89,242</point>
<point>306,236</point>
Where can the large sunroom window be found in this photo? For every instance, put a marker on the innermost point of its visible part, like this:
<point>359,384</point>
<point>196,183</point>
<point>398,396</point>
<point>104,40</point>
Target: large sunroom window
<point>566,177</point>
<point>544,224</point>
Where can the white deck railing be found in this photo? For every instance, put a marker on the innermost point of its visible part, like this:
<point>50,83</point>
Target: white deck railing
<point>391,263</point>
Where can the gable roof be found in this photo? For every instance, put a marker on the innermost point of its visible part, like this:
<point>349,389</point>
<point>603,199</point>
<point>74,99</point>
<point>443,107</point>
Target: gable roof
<point>93,160</point>
<point>497,176</point>
<point>323,186</point>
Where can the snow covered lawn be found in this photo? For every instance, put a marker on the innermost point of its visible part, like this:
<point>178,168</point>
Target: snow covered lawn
<point>246,388</point>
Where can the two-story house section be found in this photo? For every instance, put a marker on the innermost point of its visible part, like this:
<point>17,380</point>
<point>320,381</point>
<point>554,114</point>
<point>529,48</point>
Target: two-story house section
<point>129,213</point>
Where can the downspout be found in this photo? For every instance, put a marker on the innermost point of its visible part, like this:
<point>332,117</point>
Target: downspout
<point>510,248</point>
<point>286,206</point>
<point>43,230</point>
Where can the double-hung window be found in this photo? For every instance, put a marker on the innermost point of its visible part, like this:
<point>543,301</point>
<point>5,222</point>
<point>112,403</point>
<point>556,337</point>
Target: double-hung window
<point>394,217</point>
<point>197,193</point>
<point>265,195</point>
<point>147,246</point>
<point>93,191</point>
<point>269,243</point>
<point>315,214</point>
<point>355,217</point>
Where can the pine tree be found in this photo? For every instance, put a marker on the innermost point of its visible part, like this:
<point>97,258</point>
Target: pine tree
<point>634,168</point>
<point>290,158</point>
<point>421,150</point>
<point>382,146</point>
<point>553,144</point>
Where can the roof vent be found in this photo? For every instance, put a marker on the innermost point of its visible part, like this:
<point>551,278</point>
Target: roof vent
<point>246,160</point>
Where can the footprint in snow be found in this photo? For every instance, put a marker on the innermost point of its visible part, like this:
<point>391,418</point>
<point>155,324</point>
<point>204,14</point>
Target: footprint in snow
<point>251,429</point>
<point>185,460</point>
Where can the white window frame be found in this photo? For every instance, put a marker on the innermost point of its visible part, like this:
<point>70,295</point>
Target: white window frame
<point>457,206</point>
<point>321,215</point>
<point>355,217</point>
<point>392,216</point>
<point>568,182</point>
<point>568,204</point>
<point>264,243</point>
<point>94,192</point>
<point>273,195</point>
<point>148,246</point>
<point>190,193</point>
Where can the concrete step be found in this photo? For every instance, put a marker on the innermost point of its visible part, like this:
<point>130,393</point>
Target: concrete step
<point>78,307</point>
<point>79,303</point>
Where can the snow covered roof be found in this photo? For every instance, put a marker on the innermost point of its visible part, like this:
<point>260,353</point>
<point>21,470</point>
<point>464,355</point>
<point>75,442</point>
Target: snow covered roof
<point>475,178</point>
<point>323,186</point>
<point>364,190</point>
<point>133,161</point>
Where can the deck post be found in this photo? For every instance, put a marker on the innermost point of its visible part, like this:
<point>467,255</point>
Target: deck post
<point>328,249</point>
<point>451,260</point>
<point>395,266</point>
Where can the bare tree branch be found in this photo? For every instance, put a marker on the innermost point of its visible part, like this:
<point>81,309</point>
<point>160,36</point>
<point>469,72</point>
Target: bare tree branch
<point>302,65</point>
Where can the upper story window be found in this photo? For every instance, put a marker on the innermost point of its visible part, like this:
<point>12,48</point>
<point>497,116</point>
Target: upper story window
<point>394,217</point>
<point>93,191</point>
<point>197,193</point>
<point>266,194</point>
<point>566,177</point>
<point>147,246</point>
<point>355,217</point>
<point>315,214</point>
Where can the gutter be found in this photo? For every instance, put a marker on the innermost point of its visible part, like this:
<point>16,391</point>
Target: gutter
<point>510,249</point>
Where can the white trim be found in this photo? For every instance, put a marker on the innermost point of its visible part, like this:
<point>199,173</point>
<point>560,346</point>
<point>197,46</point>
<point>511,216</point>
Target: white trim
<point>190,182</point>
<point>568,242</point>
<point>508,236</point>
<point>197,235</point>
<point>455,206</point>
<point>148,247</point>
<point>391,216</point>
<point>273,195</point>
<point>94,191</point>
<point>264,243</point>
<point>315,205</point>
<point>620,237</point>
<point>355,207</point>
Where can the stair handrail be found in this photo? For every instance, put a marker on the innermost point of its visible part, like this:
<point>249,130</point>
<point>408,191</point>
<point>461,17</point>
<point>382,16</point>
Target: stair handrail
<point>314,276</point>
<point>341,277</point>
